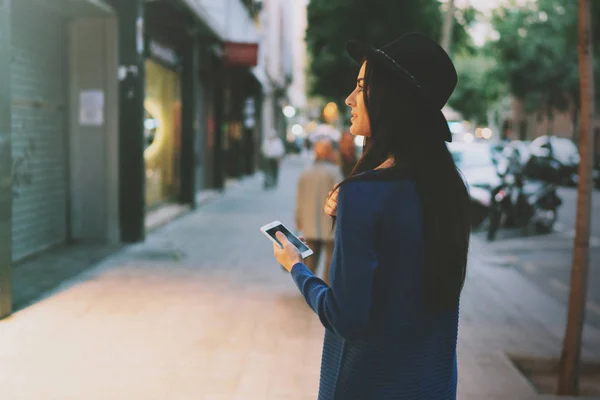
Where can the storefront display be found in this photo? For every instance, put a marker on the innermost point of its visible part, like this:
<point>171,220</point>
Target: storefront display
<point>162,133</point>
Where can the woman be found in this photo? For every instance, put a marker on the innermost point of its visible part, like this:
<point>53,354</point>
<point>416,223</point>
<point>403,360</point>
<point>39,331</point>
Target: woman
<point>402,235</point>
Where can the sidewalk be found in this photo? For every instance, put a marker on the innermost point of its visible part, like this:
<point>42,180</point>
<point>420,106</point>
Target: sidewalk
<point>202,311</point>
<point>39,275</point>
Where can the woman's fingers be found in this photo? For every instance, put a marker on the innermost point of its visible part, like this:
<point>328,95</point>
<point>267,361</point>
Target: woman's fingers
<point>331,203</point>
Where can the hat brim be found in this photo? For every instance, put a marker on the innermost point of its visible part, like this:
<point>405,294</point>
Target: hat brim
<point>359,51</point>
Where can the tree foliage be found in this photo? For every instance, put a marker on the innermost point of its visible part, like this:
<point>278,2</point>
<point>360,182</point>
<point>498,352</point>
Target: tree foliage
<point>478,87</point>
<point>533,58</point>
<point>333,22</point>
<point>537,52</point>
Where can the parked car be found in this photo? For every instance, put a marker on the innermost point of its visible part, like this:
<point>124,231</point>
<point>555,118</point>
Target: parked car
<point>521,147</point>
<point>554,159</point>
<point>496,149</point>
<point>476,161</point>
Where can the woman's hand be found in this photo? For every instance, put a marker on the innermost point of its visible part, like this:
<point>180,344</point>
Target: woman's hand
<point>289,255</point>
<point>331,203</point>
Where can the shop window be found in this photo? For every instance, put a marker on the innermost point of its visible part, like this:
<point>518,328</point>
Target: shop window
<point>150,128</point>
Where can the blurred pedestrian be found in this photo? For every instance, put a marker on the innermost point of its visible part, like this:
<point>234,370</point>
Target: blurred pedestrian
<point>314,184</point>
<point>347,158</point>
<point>307,144</point>
<point>273,151</point>
<point>401,239</point>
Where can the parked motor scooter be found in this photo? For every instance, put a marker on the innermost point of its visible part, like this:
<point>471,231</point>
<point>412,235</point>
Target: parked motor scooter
<point>518,202</point>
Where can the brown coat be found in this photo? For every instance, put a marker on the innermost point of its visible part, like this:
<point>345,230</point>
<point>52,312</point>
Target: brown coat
<point>314,185</point>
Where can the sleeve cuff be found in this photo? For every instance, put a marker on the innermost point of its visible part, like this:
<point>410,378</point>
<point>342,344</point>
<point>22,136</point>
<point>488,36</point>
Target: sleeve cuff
<point>299,269</point>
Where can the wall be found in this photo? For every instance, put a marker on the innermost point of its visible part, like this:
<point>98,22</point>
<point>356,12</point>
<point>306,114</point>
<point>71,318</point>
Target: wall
<point>297,91</point>
<point>5,163</point>
<point>538,124</point>
<point>94,153</point>
<point>560,125</point>
<point>273,46</point>
<point>276,31</point>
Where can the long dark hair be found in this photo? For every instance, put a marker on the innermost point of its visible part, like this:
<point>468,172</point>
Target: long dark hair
<point>400,128</point>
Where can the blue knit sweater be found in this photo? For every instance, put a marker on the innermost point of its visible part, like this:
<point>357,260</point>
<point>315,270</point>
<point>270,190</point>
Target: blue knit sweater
<point>380,343</point>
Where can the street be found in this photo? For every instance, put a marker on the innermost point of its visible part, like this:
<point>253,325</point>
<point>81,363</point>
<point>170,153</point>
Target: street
<point>546,259</point>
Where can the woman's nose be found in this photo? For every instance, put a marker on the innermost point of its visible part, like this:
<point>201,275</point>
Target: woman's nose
<point>349,101</point>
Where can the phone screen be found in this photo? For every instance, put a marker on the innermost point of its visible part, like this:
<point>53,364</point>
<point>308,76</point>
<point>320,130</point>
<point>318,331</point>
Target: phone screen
<point>290,236</point>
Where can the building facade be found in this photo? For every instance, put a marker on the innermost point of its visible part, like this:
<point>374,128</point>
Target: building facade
<point>298,90</point>
<point>59,125</point>
<point>276,52</point>
<point>110,109</point>
<point>518,124</point>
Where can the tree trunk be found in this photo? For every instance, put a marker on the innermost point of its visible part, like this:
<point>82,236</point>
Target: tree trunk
<point>550,121</point>
<point>523,129</point>
<point>575,122</point>
<point>446,40</point>
<point>568,379</point>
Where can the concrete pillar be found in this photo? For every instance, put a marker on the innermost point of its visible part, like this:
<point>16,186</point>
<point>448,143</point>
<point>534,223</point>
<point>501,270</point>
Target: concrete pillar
<point>5,163</point>
<point>190,92</point>
<point>132,171</point>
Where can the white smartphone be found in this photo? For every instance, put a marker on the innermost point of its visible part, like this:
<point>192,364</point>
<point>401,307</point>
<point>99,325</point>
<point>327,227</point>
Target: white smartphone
<point>270,229</point>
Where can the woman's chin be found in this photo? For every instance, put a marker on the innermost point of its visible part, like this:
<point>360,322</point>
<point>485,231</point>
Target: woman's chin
<point>356,131</point>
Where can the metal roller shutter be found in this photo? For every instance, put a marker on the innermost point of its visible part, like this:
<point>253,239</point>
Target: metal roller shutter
<point>39,127</point>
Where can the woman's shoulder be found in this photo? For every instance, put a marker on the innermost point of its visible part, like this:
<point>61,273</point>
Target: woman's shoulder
<point>376,190</point>
<point>378,181</point>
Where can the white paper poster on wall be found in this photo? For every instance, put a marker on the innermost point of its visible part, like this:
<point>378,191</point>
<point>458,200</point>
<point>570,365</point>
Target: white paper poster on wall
<point>91,108</point>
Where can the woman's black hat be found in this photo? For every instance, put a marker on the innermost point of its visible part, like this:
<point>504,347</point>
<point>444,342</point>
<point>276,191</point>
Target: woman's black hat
<point>422,64</point>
